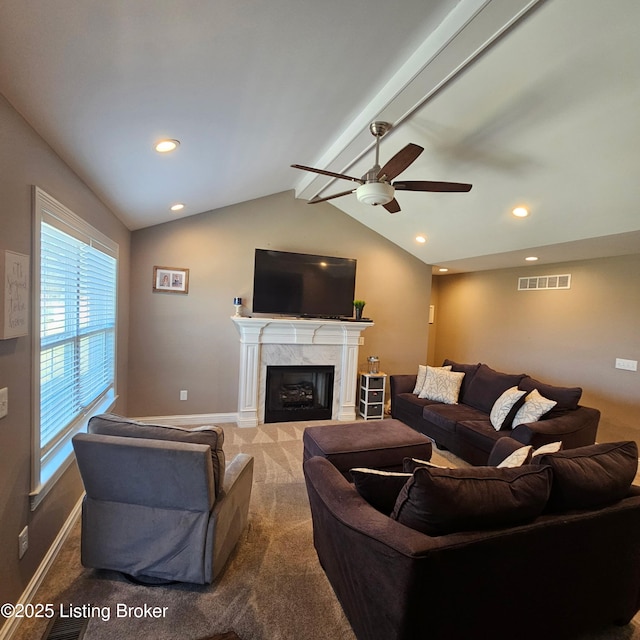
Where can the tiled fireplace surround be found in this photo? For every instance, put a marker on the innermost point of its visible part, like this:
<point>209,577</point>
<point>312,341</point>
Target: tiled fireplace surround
<point>297,341</point>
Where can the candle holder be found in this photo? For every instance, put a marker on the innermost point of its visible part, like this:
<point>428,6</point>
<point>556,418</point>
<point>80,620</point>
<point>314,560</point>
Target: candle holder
<point>237,303</point>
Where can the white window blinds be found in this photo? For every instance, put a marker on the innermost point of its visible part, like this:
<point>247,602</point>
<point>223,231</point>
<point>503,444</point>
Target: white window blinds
<point>77,329</point>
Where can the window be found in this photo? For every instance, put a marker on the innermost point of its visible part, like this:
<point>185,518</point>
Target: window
<point>75,286</point>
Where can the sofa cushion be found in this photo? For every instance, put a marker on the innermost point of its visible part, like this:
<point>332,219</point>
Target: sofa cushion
<point>411,404</point>
<point>487,386</point>
<point>379,488</point>
<point>590,477</point>
<point>566,398</point>
<point>442,385</point>
<point>503,407</point>
<point>442,501</point>
<point>447,416</point>
<point>469,371</point>
<point>110,424</point>
<point>535,407</point>
<point>478,435</point>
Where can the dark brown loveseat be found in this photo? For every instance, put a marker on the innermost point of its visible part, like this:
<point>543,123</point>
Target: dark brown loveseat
<point>465,428</point>
<point>566,572</point>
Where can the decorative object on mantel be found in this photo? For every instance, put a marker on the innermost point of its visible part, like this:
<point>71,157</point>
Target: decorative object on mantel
<point>14,321</point>
<point>359,306</point>
<point>237,303</point>
<point>170,280</point>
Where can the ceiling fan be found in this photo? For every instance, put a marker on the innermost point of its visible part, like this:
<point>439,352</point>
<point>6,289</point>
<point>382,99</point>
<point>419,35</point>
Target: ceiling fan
<point>376,186</point>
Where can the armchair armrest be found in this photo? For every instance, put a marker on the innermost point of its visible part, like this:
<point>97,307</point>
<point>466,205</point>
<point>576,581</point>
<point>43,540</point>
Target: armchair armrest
<point>575,428</point>
<point>230,513</point>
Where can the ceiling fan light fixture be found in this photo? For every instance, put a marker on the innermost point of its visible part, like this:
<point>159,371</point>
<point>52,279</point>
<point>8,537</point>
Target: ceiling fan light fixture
<point>375,193</point>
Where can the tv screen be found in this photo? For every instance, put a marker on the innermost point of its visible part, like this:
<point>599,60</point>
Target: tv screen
<point>301,284</point>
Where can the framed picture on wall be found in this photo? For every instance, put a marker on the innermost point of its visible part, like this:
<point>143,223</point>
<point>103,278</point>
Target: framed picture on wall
<point>170,280</point>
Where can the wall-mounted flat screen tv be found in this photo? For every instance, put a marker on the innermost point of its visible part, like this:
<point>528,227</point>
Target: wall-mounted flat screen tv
<point>301,284</point>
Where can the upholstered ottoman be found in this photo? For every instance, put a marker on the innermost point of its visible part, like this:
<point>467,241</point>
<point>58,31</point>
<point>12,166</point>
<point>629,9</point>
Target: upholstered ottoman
<point>377,444</point>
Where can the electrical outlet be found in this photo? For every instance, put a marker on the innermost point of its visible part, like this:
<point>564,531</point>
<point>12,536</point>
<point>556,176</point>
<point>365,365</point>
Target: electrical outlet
<point>23,542</point>
<point>626,365</point>
<point>183,394</point>
<point>4,402</point>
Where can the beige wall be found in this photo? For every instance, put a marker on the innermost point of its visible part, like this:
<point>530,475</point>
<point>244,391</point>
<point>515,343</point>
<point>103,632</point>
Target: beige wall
<point>189,342</point>
<point>26,160</point>
<point>569,337</point>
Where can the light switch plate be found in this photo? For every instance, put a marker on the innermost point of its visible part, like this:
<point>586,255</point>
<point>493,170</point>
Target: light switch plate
<point>4,402</point>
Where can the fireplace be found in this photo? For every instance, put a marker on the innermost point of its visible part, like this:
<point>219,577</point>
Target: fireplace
<point>266,342</point>
<point>298,392</point>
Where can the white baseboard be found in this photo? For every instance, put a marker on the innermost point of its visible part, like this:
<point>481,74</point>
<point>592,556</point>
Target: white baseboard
<point>11,625</point>
<point>194,418</point>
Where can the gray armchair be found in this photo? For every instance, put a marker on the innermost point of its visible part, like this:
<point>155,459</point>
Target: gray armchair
<point>161,504</point>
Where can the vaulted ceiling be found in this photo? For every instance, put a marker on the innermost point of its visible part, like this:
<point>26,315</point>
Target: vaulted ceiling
<point>535,103</point>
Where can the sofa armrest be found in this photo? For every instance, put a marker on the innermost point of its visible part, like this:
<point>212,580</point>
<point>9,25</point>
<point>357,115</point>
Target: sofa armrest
<point>403,383</point>
<point>575,428</point>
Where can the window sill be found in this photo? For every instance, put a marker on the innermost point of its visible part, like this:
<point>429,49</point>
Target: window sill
<point>54,468</point>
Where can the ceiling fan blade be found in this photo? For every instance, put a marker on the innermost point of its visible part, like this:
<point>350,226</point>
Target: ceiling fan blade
<point>400,162</point>
<point>392,207</point>
<point>428,185</point>
<point>327,173</point>
<point>335,195</point>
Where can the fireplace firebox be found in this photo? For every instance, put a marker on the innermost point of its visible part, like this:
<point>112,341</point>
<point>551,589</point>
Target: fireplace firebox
<point>299,392</point>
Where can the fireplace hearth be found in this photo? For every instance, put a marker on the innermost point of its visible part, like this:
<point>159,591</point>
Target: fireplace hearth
<point>299,392</point>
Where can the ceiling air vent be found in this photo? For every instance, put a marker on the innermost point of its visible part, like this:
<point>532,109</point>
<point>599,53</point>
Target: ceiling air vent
<point>545,282</point>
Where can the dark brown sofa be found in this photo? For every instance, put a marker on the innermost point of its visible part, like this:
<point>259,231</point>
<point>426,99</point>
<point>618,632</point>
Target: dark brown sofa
<point>465,428</point>
<point>560,575</point>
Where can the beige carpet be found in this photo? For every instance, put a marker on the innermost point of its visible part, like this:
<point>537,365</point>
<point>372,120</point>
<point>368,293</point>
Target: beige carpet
<point>273,587</point>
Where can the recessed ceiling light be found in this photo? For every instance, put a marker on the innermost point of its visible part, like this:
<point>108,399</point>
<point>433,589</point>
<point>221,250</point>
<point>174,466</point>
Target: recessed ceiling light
<point>520,212</point>
<point>531,258</point>
<point>177,207</point>
<point>443,269</point>
<point>421,239</point>
<point>164,146</point>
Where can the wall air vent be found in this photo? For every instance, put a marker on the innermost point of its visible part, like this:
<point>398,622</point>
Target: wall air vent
<point>545,282</point>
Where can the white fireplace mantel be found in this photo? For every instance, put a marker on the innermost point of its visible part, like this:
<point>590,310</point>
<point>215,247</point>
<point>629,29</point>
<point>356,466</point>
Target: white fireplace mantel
<point>301,341</point>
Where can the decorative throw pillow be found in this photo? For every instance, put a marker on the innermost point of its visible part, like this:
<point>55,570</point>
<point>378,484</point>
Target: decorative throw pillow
<point>442,385</point>
<point>534,407</point>
<point>409,465</point>
<point>442,501</point>
<point>551,447</point>
<point>422,376</point>
<point>517,458</point>
<point>503,405</point>
<point>591,477</point>
<point>379,488</point>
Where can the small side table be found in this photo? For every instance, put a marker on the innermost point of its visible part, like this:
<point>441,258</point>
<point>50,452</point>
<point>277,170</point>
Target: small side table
<point>372,386</point>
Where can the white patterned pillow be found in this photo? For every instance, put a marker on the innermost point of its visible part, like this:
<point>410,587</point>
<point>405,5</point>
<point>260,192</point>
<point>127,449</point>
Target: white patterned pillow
<point>422,376</point>
<point>534,407</point>
<point>517,458</point>
<point>503,405</point>
<point>551,447</point>
<point>442,385</point>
